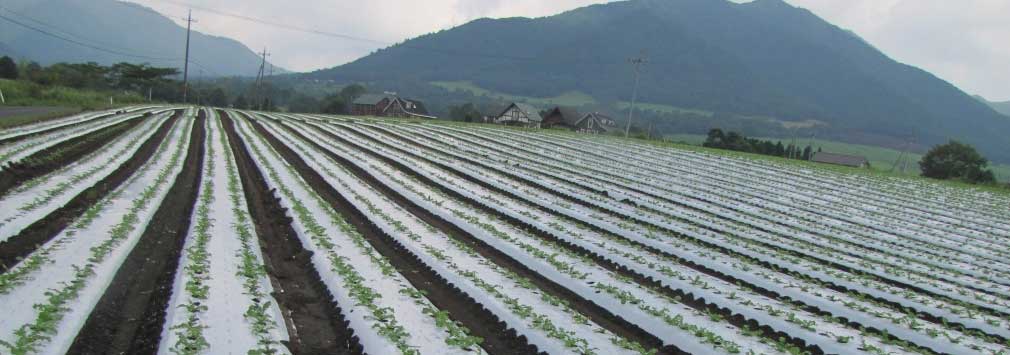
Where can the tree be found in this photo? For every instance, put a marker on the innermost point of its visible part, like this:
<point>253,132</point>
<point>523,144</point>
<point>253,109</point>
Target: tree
<point>716,139</point>
<point>8,68</point>
<point>352,92</point>
<point>465,113</point>
<point>139,77</point>
<point>956,160</point>
<point>335,104</point>
<point>216,97</point>
<point>34,72</point>
<point>303,103</point>
<point>240,102</point>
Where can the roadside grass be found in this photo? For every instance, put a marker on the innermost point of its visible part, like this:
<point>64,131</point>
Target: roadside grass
<point>23,93</point>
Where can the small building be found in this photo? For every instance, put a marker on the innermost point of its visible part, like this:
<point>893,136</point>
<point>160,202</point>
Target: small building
<point>369,104</point>
<point>519,114</point>
<point>595,123</point>
<point>389,105</point>
<point>854,161</point>
<point>569,118</point>
<point>561,117</point>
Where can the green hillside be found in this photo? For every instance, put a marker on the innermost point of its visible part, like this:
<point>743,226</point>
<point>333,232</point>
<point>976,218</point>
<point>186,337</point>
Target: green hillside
<point>118,27</point>
<point>753,67</point>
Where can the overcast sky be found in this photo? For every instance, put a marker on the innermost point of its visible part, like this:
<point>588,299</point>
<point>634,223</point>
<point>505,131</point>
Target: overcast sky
<point>964,42</point>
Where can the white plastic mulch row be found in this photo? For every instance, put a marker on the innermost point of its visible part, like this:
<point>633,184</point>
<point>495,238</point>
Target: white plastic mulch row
<point>905,278</point>
<point>19,150</point>
<point>221,321</point>
<point>741,302</point>
<point>459,266</point>
<point>37,198</point>
<point>588,278</point>
<point>422,333</point>
<point>99,241</point>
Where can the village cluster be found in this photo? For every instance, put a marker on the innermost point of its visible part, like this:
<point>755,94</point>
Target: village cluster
<point>513,114</point>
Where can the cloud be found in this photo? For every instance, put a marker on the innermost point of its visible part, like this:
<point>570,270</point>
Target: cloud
<point>963,42</point>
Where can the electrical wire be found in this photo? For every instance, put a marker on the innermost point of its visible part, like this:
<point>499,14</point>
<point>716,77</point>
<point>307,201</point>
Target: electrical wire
<point>95,47</point>
<point>337,35</point>
<point>62,32</point>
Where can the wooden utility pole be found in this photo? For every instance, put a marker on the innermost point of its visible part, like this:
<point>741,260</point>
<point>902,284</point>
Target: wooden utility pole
<point>185,66</point>
<point>637,62</point>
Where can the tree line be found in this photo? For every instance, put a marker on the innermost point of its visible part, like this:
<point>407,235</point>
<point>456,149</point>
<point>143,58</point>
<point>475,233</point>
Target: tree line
<point>164,85</point>
<point>141,78</point>
<point>738,142</point>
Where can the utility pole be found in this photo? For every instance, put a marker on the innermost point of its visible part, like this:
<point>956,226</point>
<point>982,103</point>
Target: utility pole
<point>259,79</point>
<point>637,62</point>
<point>185,66</point>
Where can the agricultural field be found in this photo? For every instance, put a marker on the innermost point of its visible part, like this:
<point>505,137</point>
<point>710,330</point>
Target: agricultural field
<point>190,230</point>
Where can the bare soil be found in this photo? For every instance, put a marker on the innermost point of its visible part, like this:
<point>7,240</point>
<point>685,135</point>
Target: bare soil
<point>315,321</point>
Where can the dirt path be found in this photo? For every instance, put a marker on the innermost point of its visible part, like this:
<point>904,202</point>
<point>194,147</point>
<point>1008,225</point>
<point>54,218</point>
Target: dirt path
<point>314,320</point>
<point>129,317</point>
<point>40,232</point>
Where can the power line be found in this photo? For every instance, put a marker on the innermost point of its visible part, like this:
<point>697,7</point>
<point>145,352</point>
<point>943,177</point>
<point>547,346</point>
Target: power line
<point>63,32</point>
<point>93,46</point>
<point>338,35</point>
<point>97,48</point>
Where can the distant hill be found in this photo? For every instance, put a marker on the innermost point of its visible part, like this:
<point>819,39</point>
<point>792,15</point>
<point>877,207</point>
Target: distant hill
<point>7,51</point>
<point>755,66</point>
<point>120,27</point>
<point>1001,107</point>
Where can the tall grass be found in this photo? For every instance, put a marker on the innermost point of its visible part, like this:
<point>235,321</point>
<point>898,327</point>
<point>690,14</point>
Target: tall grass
<point>24,93</point>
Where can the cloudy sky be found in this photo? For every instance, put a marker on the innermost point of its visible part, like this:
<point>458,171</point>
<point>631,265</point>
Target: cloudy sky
<point>964,42</point>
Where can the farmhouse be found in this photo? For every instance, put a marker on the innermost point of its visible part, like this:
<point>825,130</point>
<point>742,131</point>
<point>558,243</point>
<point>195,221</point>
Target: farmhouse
<point>518,114</point>
<point>388,105</point>
<point>841,159</point>
<point>561,117</point>
<point>569,118</point>
<point>595,123</point>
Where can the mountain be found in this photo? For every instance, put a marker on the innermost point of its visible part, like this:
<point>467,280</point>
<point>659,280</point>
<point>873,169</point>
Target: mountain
<point>1001,107</point>
<point>117,27</point>
<point>777,65</point>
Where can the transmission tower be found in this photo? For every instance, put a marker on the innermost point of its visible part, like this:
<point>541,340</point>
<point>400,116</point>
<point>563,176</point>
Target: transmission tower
<point>637,63</point>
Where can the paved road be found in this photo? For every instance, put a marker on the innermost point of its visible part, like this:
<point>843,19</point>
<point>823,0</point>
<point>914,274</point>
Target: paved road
<point>14,111</point>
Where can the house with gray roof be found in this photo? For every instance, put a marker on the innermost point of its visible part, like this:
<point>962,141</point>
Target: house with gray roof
<point>519,114</point>
<point>389,105</point>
